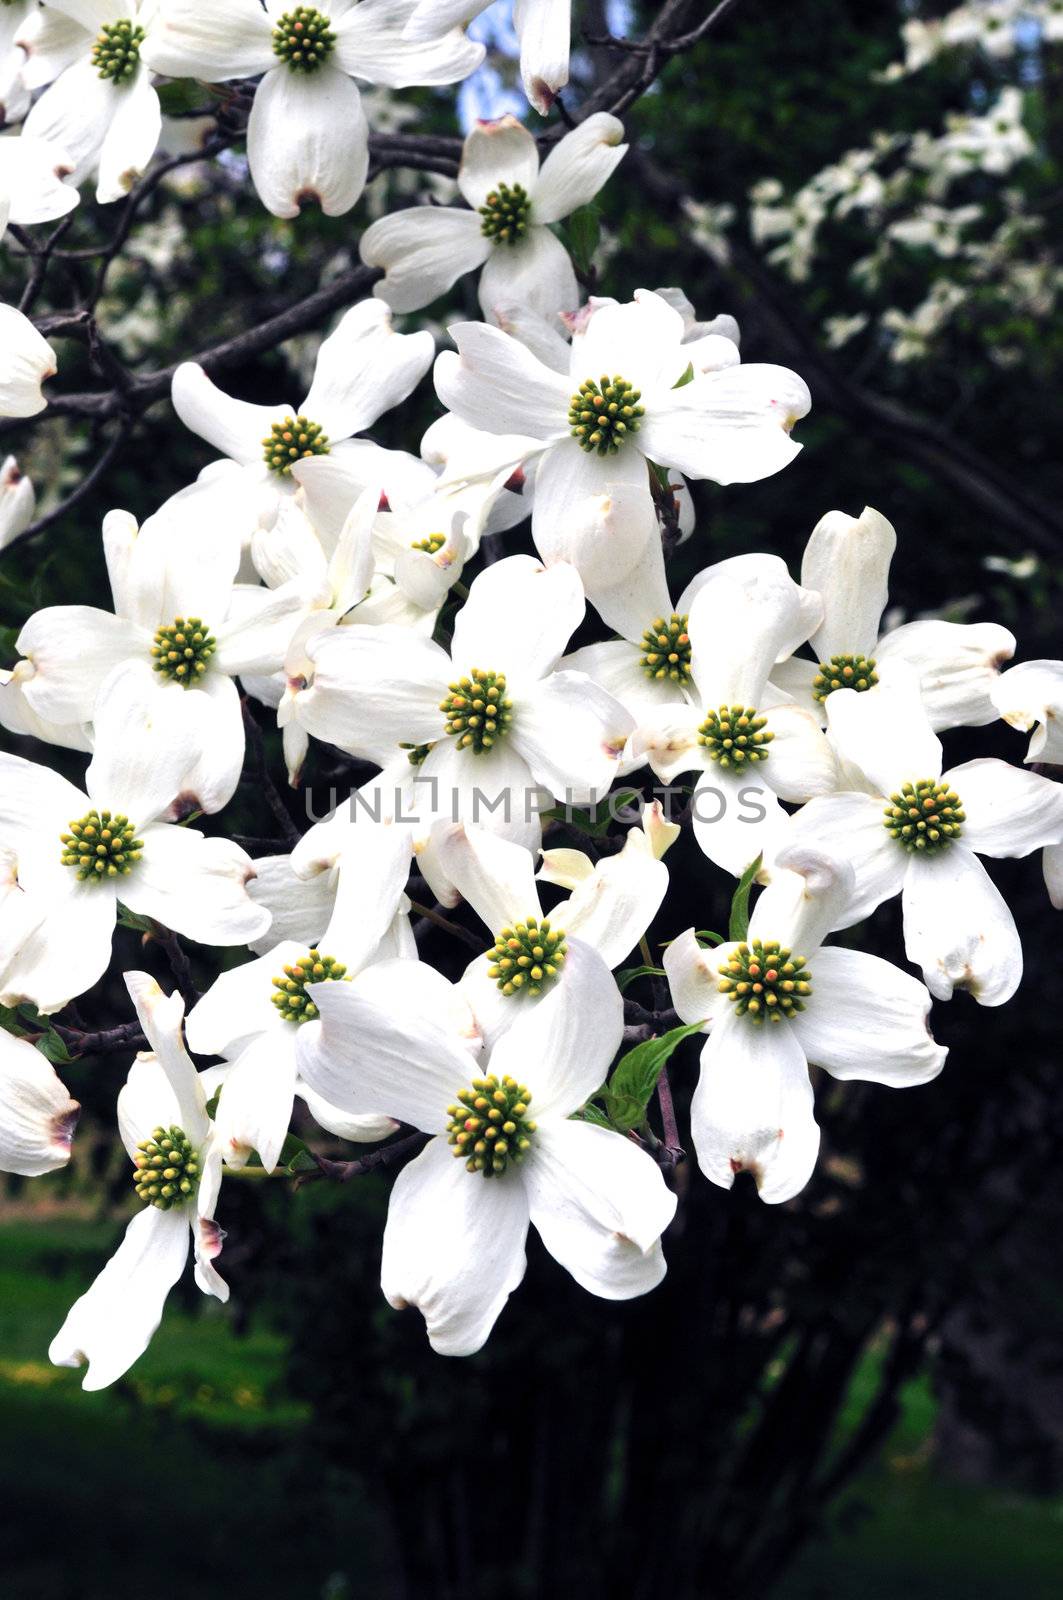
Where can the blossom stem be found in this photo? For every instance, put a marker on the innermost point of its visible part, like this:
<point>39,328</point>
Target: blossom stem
<point>387,1156</point>
<point>433,915</point>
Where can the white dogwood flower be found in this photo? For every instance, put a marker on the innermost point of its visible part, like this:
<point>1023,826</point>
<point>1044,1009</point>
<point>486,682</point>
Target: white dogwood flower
<point>14,93</point>
<point>179,610</point>
<point>102,110</point>
<point>747,743</point>
<point>163,1123</point>
<point>254,1014</point>
<point>777,1002</point>
<point>543,28</point>
<point>505,230</point>
<point>610,907</point>
<point>635,396</point>
<point>492,725</point>
<point>847,562</point>
<point>917,831</point>
<point>26,361</point>
<point>363,368</point>
<point>307,136</point>
<point>32,174</point>
<point>456,1230</point>
<point>79,855</point>
<point>37,1115</point>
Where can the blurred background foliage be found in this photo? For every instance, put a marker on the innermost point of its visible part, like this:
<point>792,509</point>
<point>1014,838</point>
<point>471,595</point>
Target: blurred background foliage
<point>859,1393</point>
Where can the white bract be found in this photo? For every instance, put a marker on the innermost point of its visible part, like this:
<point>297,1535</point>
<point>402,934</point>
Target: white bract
<point>506,229</point>
<point>914,830</point>
<point>17,502</point>
<point>497,725</point>
<point>610,908</point>
<point>37,1115</point>
<point>635,397</point>
<point>1030,696</point>
<point>163,1123</point>
<point>254,1015</point>
<point>307,137</point>
<point>26,361</point>
<point>847,562</point>
<point>777,1002</point>
<point>455,1237</point>
<point>748,744</point>
<point>543,28</point>
<point>102,109</point>
<point>79,855</point>
<point>179,610</point>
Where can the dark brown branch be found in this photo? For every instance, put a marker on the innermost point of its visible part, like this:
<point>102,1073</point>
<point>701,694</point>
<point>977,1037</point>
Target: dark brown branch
<point>344,1171</point>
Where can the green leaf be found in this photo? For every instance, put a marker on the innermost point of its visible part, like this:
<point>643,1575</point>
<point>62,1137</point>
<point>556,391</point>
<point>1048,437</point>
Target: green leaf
<point>688,377</point>
<point>596,823</point>
<point>130,919</point>
<point>738,926</point>
<point>592,1113</point>
<point>582,232</point>
<point>706,936</point>
<point>635,1078</point>
<point>629,974</point>
<point>211,1107</point>
<point>47,1041</point>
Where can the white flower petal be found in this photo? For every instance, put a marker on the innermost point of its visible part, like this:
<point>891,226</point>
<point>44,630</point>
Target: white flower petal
<point>801,762</point>
<point>73,649</point>
<point>498,385</point>
<point>227,39</point>
<point>453,1247</point>
<point>256,1103</point>
<point>365,367</point>
<point>958,928</point>
<point>594,511</point>
<point>161,1016</point>
<point>847,561</point>
<point>367,1058</point>
<point>131,139</point>
<point>731,426</point>
<point>495,877</point>
<point>753,1108</point>
<point>300,907</point>
<point>196,886</point>
<point>238,1006</point>
<point>31,179</point>
<point>1052,862</point>
<point>536,273</point>
<point>371,44</point>
<point>18,501</point>
<point>1009,811</point>
<point>958,665</point>
<point>235,427</point>
<point>884,733</point>
<point>494,788</point>
<point>308,140</point>
<point>572,734</point>
<point>867,1019</point>
<point>141,752</point>
<point>639,339</point>
<point>497,152</point>
<point>852,826</point>
<point>518,619</point>
<point>359,1130</point>
<point>423,251</point>
<point>26,361</point>
<point>74,113</point>
<point>578,166</point>
<point>112,1324</point>
<point>561,1047</point>
<point>1030,695</point>
<point>600,1206</point>
<point>735,818</point>
<point>613,908</point>
<point>375,688</point>
<point>37,1115</point>
<point>67,951</point>
<point>808,895</point>
<point>736,632</point>
<point>543,28</point>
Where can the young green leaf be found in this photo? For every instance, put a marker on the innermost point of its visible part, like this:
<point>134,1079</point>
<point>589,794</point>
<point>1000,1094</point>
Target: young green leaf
<point>635,1077</point>
<point>738,926</point>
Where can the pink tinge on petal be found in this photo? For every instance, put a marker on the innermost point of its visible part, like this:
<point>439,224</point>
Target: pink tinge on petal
<point>63,1126</point>
<point>211,1238</point>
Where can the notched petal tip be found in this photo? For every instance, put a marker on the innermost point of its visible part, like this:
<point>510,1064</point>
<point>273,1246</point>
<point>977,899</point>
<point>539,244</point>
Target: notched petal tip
<point>64,1124</point>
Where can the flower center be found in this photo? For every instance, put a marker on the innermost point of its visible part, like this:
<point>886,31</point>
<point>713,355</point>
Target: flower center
<point>303,39</point>
<point>765,980</point>
<point>183,650</point>
<point>489,1126</point>
<point>526,957</point>
<point>477,710</point>
<point>432,545</point>
<point>925,816</point>
<point>844,672</point>
<point>167,1168</point>
<point>505,213</point>
<point>294,439</point>
<point>116,53</point>
<point>666,649</point>
<point>101,846</point>
<point>291,998</point>
<point>601,415</point>
<point>735,736</point>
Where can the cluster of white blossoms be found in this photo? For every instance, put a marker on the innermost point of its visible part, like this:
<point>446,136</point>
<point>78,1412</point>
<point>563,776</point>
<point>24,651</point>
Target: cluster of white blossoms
<point>362,595</point>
